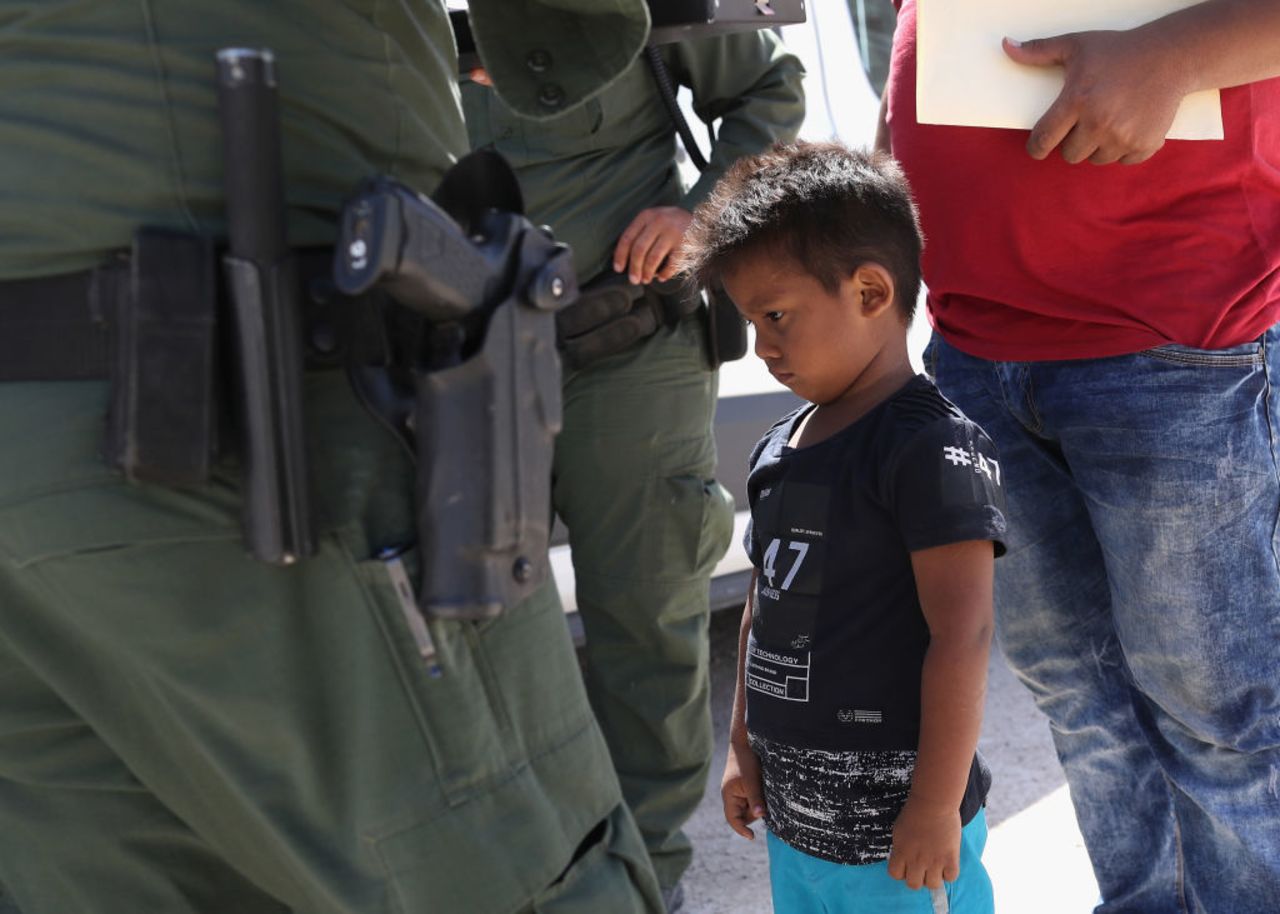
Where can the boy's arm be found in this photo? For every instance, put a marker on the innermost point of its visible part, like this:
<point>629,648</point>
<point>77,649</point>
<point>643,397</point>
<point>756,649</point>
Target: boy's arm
<point>954,583</point>
<point>740,788</point>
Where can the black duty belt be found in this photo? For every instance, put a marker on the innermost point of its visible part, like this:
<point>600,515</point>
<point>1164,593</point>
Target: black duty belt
<point>65,327</point>
<point>156,324</point>
<point>59,327</point>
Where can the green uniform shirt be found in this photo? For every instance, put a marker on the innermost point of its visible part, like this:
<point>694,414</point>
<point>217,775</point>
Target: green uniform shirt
<point>108,117</point>
<point>587,173</point>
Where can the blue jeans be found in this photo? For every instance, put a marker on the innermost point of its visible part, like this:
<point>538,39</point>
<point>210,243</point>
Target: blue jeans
<point>802,884</point>
<point>1140,603</point>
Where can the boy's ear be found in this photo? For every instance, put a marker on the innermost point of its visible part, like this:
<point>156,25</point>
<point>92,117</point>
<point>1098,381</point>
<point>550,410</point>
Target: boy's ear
<point>874,288</point>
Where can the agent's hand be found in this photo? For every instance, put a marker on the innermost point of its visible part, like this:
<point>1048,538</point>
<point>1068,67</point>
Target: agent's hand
<point>654,236</point>
<point>741,790</point>
<point>1121,94</point>
<point>926,845</point>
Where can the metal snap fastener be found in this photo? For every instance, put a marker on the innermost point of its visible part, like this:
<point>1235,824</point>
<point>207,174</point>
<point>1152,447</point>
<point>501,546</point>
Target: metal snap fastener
<point>321,289</point>
<point>551,95</point>
<point>539,61</point>
<point>324,339</point>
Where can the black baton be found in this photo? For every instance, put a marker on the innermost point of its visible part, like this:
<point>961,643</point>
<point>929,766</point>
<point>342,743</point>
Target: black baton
<point>267,320</point>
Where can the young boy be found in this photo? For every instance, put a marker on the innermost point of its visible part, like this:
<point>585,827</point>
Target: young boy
<point>876,513</point>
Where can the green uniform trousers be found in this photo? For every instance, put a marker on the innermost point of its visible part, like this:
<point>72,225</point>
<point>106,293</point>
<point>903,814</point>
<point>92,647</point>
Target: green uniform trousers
<point>184,729</point>
<point>634,484</point>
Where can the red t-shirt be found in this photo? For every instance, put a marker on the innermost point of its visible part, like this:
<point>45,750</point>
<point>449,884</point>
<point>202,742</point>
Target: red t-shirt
<point>1028,260</point>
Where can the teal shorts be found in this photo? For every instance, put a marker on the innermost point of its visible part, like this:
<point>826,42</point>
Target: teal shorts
<point>802,884</point>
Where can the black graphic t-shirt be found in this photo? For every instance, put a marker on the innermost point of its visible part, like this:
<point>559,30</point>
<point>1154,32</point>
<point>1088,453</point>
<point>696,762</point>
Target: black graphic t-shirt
<point>837,639</point>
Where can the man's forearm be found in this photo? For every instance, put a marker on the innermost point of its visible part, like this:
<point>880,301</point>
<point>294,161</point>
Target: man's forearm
<point>1220,43</point>
<point>883,142</point>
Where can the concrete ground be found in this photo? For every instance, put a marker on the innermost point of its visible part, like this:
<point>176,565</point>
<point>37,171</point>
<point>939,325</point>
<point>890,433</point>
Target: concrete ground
<point>1035,855</point>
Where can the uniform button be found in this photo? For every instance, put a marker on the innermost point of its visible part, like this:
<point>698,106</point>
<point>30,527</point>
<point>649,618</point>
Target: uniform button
<point>321,289</point>
<point>324,339</point>
<point>539,61</point>
<point>551,95</point>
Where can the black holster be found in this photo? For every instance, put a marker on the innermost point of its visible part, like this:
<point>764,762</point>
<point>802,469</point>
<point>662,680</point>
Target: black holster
<point>485,431</point>
<point>726,329</point>
<point>485,381</point>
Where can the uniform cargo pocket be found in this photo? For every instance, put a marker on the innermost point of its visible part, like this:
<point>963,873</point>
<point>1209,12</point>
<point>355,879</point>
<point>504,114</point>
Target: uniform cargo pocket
<point>449,681</point>
<point>690,529</point>
<point>605,873</point>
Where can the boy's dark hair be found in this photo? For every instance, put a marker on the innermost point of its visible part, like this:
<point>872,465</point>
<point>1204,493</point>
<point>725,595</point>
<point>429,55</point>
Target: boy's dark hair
<point>829,208</point>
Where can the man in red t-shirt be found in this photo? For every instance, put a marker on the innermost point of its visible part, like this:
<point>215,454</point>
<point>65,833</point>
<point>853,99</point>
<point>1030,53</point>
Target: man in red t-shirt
<point>1114,330</point>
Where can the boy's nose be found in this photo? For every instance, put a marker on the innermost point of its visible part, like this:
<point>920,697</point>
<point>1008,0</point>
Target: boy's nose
<point>766,348</point>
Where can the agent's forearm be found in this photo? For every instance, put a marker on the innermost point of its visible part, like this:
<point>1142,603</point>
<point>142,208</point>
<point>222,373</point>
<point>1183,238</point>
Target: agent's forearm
<point>754,87</point>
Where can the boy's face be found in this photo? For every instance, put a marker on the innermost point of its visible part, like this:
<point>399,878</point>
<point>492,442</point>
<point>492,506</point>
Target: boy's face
<point>813,341</point>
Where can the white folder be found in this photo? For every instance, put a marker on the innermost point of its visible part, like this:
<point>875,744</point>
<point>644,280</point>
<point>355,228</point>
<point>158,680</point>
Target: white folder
<point>964,77</point>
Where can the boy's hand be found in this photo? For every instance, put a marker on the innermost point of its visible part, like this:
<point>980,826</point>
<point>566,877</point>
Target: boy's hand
<point>926,845</point>
<point>654,236</point>
<point>741,790</point>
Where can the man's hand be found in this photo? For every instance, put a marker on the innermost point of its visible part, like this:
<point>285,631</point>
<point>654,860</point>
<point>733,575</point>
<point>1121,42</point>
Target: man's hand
<point>741,790</point>
<point>1122,91</point>
<point>926,845</point>
<point>655,235</point>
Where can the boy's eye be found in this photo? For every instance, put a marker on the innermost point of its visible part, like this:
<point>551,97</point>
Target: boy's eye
<point>773,316</point>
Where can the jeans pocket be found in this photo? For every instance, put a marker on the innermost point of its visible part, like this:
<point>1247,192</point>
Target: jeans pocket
<point>1246,355</point>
